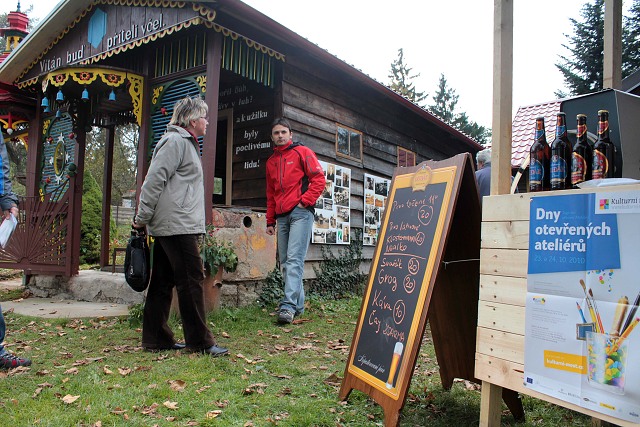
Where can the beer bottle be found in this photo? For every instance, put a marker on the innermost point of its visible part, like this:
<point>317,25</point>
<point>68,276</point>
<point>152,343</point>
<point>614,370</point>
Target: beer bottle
<point>561,156</point>
<point>581,158</point>
<point>604,152</point>
<point>540,156</point>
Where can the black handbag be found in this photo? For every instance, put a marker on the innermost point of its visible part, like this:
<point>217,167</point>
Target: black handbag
<point>137,265</point>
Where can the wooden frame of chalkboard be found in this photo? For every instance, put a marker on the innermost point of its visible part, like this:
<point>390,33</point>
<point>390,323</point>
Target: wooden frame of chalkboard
<point>400,280</point>
<point>426,264</point>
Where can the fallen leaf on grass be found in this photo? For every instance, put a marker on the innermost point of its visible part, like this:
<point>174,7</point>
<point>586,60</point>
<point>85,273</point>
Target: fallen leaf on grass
<point>171,405</point>
<point>282,376</point>
<point>213,414</point>
<point>42,373</point>
<point>286,391</point>
<point>124,371</point>
<point>203,388</point>
<point>332,380</point>
<point>225,335</point>
<point>177,385</point>
<point>70,399</point>
<point>107,371</point>
<point>300,321</point>
<point>71,371</point>
<point>255,388</point>
<point>221,403</point>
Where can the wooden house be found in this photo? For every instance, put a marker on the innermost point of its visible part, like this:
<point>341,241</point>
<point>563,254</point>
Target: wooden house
<point>110,62</point>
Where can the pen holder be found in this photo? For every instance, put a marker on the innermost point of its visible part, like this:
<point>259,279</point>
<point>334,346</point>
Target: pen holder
<point>606,363</point>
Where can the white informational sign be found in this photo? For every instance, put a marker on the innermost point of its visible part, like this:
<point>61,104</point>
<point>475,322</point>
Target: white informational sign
<point>376,190</point>
<point>582,339</point>
<point>332,222</point>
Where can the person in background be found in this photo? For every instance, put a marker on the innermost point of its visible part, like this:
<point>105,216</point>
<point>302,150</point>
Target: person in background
<point>295,180</point>
<point>483,174</point>
<point>172,208</point>
<point>9,206</point>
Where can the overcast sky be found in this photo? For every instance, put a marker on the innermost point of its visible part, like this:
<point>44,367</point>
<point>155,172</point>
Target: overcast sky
<point>453,37</point>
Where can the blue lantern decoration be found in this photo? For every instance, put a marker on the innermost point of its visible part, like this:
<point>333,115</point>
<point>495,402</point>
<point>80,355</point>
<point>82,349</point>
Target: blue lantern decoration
<point>58,114</point>
<point>45,102</point>
<point>112,96</point>
<point>47,109</point>
<point>60,95</point>
<point>85,94</point>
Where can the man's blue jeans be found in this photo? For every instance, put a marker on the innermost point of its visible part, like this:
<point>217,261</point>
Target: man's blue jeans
<point>294,235</point>
<point>3,330</point>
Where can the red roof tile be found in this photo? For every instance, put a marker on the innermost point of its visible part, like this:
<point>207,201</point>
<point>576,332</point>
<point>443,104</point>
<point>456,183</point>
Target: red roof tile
<point>523,128</point>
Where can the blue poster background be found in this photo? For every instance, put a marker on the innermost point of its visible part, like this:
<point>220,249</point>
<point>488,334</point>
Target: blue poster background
<point>566,235</point>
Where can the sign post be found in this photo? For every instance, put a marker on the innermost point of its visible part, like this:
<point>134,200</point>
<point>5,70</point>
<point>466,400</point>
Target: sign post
<point>426,263</point>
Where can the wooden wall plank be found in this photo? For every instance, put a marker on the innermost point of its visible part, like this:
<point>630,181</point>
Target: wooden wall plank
<point>503,317</point>
<point>504,262</point>
<point>500,344</point>
<point>505,234</point>
<point>503,289</point>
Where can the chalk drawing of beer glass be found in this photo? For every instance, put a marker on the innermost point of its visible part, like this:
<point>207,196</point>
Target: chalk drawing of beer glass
<point>395,360</point>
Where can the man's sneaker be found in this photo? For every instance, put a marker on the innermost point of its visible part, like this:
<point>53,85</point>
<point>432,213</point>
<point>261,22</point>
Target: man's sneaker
<point>9,361</point>
<point>285,316</point>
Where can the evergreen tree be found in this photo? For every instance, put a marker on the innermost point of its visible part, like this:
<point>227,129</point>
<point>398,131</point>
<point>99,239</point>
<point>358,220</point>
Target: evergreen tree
<point>583,68</point>
<point>444,101</point>
<point>402,80</point>
<point>444,105</point>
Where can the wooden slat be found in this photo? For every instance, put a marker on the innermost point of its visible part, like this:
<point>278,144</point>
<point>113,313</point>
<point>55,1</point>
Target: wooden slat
<point>503,317</point>
<point>504,262</point>
<point>500,344</point>
<point>510,375</point>
<point>503,289</point>
<point>506,207</point>
<point>505,235</point>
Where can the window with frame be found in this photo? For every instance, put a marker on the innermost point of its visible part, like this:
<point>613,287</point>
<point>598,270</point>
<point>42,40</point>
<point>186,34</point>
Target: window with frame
<point>348,142</point>
<point>406,158</point>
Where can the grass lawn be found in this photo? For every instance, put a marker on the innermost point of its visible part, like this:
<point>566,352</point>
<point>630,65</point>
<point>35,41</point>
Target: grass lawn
<point>93,372</point>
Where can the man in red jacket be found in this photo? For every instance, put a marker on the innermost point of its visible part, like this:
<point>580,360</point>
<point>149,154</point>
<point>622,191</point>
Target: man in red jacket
<point>295,180</point>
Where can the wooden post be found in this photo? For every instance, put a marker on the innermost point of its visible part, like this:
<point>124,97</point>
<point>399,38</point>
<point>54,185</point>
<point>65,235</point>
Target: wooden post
<point>502,96</point>
<point>612,65</point>
<point>500,153</point>
<point>214,58</point>
<point>107,179</point>
<point>490,405</point>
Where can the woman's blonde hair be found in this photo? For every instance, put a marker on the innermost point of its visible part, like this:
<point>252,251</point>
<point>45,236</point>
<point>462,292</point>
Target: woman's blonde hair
<point>188,109</point>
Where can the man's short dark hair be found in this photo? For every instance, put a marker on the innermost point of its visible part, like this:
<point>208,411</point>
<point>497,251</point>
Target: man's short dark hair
<point>282,122</point>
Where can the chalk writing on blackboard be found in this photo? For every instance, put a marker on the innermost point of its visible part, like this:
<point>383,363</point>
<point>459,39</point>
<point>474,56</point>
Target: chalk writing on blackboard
<point>400,277</point>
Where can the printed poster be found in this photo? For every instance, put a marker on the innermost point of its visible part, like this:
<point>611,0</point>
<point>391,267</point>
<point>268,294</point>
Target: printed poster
<point>582,340</point>
<point>332,221</point>
<point>376,191</point>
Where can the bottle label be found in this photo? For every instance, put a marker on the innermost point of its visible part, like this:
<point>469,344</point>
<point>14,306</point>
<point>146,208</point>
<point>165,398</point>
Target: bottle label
<point>560,130</point>
<point>558,170</point>
<point>582,129</point>
<point>578,169</point>
<point>603,126</point>
<point>536,173</point>
<point>600,165</point>
<point>539,134</point>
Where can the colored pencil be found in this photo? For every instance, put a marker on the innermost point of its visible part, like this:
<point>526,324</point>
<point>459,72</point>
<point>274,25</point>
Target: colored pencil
<point>626,333</point>
<point>632,312</point>
<point>581,313</point>
<point>595,308</point>
<point>592,313</point>
<point>618,316</point>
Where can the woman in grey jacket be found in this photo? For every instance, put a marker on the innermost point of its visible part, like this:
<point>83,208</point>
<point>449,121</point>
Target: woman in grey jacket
<point>172,208</point>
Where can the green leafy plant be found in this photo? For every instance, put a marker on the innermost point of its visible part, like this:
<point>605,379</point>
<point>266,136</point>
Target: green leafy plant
<point>217,253</point>
<point>272,289</point>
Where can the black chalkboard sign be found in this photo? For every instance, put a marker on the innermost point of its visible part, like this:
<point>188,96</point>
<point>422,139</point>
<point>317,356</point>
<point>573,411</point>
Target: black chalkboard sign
<point>400,278</point>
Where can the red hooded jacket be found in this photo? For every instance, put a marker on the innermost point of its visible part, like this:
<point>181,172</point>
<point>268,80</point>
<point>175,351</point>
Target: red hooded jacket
<point>294,176</point>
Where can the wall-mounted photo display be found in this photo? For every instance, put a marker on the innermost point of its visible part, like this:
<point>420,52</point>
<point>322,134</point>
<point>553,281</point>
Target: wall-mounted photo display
<point>376,190</point>
<point>332,223</point>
